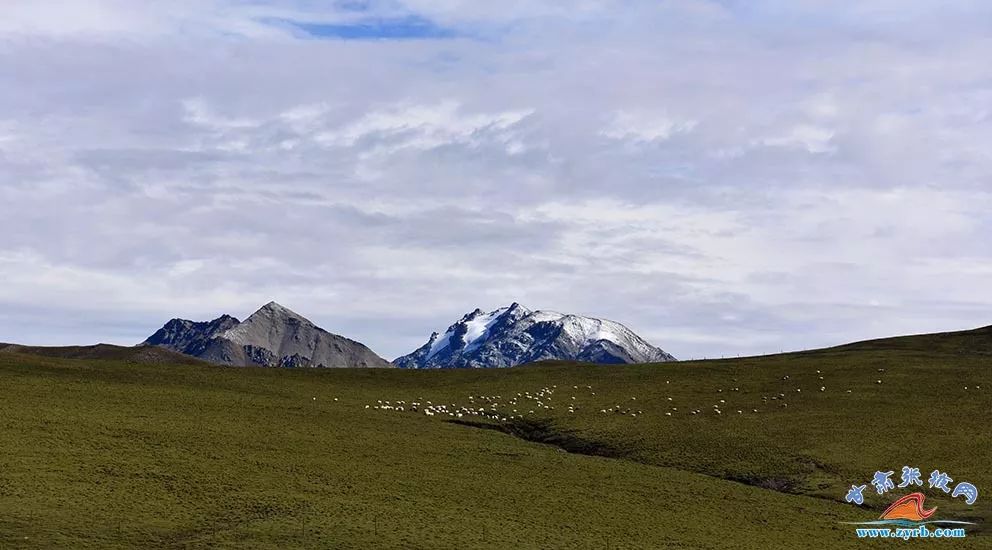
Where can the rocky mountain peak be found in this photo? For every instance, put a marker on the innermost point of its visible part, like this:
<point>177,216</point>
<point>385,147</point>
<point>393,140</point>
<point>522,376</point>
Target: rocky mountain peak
<point>276,311</point>
<point>272,336</point>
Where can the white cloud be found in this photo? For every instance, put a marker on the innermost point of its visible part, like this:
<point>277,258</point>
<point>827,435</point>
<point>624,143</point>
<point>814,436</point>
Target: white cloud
<point>197,112</point>
<point>423,127</point>
<point>814,139</point>
<point>720,180</point>
<point>644,126</point>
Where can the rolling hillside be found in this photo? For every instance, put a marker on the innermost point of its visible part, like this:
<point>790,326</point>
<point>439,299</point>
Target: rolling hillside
<point>104,454</point>
<point>965,342</point>
<point>106,352</point>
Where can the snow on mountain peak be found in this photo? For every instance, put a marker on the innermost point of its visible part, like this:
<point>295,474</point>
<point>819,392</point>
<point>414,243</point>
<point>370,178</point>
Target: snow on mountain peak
<point>437,343</point>
<point>513,335</point>
<point>469,330</point>
<point>477,327</point>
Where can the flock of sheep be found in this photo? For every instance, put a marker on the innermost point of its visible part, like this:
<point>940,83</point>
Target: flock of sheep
<point>493,407</point>
<point>500,409</point>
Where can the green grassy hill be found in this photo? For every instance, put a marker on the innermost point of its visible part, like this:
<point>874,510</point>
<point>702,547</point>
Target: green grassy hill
<point>964,342</point>
<point>107,352</point>
<point>117,453</point>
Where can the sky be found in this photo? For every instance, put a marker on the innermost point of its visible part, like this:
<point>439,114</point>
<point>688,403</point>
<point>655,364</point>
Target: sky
<point>725,177</point>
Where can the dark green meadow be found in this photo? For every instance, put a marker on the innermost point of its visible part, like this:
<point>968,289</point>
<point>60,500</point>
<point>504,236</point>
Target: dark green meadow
<point>120,454</point>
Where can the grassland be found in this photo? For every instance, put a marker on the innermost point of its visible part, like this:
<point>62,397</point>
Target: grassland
<point>115,453</point>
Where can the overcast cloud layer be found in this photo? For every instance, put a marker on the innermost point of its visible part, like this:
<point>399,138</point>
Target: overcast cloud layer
<point>724,177</point>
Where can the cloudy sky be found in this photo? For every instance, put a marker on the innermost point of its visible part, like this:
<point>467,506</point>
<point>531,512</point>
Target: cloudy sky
<point>724,177</point>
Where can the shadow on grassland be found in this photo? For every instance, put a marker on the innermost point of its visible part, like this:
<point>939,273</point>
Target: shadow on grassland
<point>546,432</point>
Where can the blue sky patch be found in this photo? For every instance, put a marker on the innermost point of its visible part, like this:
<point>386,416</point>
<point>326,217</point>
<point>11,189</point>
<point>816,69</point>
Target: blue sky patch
<point>406,28</point>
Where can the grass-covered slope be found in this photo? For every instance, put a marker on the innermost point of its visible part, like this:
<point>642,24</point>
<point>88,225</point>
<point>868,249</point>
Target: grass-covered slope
<point>105,454</point>
<point>965,342</point>
<point>106,352</point>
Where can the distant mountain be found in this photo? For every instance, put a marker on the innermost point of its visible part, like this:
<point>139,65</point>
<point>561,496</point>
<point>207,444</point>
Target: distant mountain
<point>515,335</point>
<point>273,336</point>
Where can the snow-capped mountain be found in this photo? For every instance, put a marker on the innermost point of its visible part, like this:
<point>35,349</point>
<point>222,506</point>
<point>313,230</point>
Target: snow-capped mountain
<point>273,336</point>
<point>515,335</point>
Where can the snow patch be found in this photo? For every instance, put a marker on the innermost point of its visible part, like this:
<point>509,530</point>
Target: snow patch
<point>439,343</point>
<point>478,328</point>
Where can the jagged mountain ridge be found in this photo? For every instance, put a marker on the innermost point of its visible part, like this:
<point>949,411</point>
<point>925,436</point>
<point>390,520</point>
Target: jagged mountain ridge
<point>190,337</point>
<point>515,335</point>
<point>273,336</point>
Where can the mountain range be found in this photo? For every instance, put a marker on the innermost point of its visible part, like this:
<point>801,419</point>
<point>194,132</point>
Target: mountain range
<point>275,336</point>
